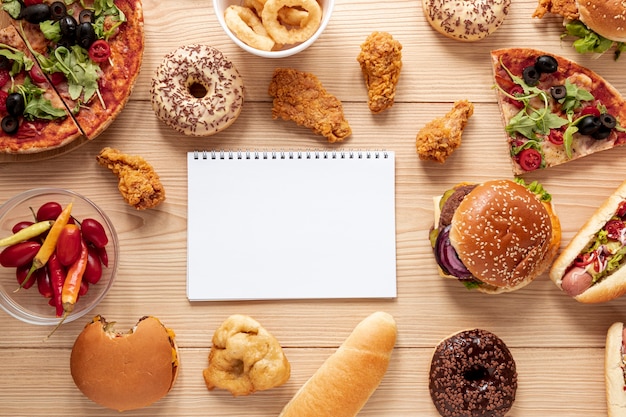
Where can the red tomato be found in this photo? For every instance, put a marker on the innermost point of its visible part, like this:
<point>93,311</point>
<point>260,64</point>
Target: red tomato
<point>516,89</point>
<point>621,209</point>
<point>556,137</point>
<point>592,110</point>
<point>3,101</point>
<point>99,51</point>
<point>529,159</point>
<point>4,77</point>
<point>57,78</point>
<point>31,2</point>
<point>614,229</point>
<point>37,75</point>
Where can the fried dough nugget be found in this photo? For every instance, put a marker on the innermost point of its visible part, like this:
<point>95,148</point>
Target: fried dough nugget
<point>138,183</point>
<point>245,358</point>
<point>440,137</point>
<point>300,97</point>
<point>381,62</point>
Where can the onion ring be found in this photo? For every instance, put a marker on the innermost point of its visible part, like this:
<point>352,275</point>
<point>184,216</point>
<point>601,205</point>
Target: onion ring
<point>283,34</point>
<point>248,27</point>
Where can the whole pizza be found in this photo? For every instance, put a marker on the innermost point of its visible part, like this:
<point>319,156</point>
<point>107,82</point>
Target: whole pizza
<point>554,110</point>
<point>83,55</point>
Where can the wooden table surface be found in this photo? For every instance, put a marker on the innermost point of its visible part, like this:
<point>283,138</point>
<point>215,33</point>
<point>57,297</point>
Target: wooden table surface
<point>558,344</point>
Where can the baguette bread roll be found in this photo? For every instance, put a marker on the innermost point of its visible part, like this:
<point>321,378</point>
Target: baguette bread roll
<point>610,287</point>
<point>614,371</point>
<point>347,379</point>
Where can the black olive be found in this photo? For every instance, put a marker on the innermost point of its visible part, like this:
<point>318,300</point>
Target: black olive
<point>531,75</point>
<point>68,26</point>
<point>601,133</point>
<point>35,13</point>
<point>57,10</point>
<point>15,104</point>
<point>546,64</point>
<point>85,34</point>
<point>85,15</point>
<point>10,124</point>
<point>588,125</point>
<point>558,92</point>
<point>608,121</point>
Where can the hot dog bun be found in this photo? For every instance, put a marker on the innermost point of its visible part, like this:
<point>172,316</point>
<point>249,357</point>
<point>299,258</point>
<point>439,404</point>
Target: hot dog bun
<point>612,286</point>
<point>347,379</point>
<point>614,371</point>
<point>124,371</point>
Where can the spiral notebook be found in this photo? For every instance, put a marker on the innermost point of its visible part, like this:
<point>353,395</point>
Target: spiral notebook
<point>291,225</point>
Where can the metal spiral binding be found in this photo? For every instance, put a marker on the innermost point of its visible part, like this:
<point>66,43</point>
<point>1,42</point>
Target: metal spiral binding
<point>307,154</point>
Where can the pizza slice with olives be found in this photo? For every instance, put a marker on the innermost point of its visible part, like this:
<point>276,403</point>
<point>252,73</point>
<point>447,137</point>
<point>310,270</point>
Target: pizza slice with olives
<point>554,110</point>
<point>33,114</point>
<point>91,50</point>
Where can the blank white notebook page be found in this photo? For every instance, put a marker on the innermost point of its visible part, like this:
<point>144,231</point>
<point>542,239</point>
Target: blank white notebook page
<point>291,225</point>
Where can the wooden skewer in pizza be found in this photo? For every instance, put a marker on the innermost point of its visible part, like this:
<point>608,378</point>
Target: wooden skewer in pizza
<point>554,110</point>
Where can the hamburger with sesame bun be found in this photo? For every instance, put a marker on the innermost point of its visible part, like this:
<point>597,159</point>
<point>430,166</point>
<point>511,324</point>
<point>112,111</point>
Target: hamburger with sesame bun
<point>496,236</point>
<point>598,25</point>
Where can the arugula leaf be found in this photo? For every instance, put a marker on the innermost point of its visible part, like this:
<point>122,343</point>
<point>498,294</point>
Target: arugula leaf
<point>20,60</point>
<point>535,124</point>
<point>51,30</point>
<point>36,105</point>
<point>12,7</point>
<point>574,97</point>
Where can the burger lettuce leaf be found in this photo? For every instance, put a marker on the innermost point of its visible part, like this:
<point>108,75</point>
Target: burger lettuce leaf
<point>589,41</point>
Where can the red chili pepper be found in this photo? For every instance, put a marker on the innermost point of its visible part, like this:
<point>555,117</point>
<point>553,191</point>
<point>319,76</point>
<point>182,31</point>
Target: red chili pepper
<point>71,286</point>
<point>57,279</point>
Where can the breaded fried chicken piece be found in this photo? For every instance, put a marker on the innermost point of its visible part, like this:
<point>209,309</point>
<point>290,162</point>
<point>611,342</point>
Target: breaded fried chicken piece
<point>381,61</point>
<point>566,8</point>
<point>439,138</point>
<point>138,183</point>
<point>300,97</point>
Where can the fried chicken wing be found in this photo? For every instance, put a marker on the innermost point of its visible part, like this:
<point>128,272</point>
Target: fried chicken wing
<point>381,61</point>
<point>245,358</point>
<point>300,97</point>
<point>138,183</point>
<point>566,8</point>
<point>440,137</point>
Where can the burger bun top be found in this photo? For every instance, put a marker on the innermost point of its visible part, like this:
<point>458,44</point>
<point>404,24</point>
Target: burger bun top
<point>124,371</point>
<point>605,17</point>
<point>505,235</point>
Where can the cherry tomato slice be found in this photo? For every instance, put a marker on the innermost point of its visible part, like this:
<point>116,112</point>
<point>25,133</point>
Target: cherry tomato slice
<point>592,110</point>
<point>99,51</point>
<point>516,89</point>
<point>57,78</point>
<point>556,137</point>
<point>4,77</point>
<point>31,2</point>
<point>3,101</point>
<point>37,75</point>
<point>529,159</point>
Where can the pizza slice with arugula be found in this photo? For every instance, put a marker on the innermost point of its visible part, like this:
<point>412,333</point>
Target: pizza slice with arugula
<point>554,110</point>
<point>33,114</point>
<point>91,50</point>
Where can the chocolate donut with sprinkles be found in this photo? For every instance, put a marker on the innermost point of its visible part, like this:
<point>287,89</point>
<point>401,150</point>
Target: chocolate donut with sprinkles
<point>466,20</point>
<point>197,91</point>
<point>472,374</point>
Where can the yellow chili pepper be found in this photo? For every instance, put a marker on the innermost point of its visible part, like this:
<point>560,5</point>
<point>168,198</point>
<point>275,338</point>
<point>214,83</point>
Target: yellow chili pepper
<point>50,242</point>
<point>27,233</point>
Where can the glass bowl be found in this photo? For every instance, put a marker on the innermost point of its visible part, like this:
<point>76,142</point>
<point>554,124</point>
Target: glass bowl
<point>219,6</point>
<point>29,305</point>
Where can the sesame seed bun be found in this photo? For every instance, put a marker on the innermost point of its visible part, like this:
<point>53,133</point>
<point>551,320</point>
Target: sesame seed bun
<point>504,235</point>
<point>124,371</point>
<point>605,17</point>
